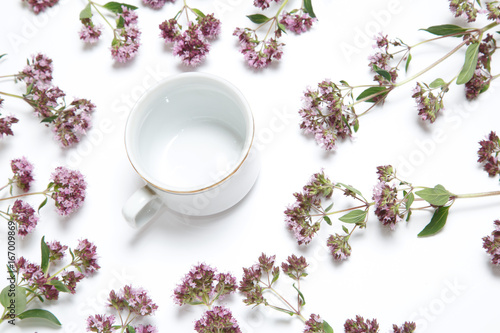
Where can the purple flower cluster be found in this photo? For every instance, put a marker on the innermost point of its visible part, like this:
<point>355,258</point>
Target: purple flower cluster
<point>100,323</point>
<point>381,59</point>
<point>156,4</point>
<point>23,173</point>
<point>135,300</point>
<point>339,246</point>
<point>257,53</point>
<point>493,9</point>
<point>488,154</point>
<point>428,104</point>
<point>250,285</point>
<point>191,45</point>
<point>407,327</point>
<point>359,325</point>
<point>42,283</point>
<point>219,319</point>
<point>295,267</point>
<point>464,8</point>
<point>126,43</point>
<point>70,122</point>
<point>325,115</point>
<point>86,257</point>
<point>482,77</point>
<point>90,33</point>
<point>263,4</point>
<point>389,209</point>
<point>6,124</point>
<point>69,190</point>
<point>297,22</point>
<point>38,71</point>
<point>69,126</point>
<point>491,244</point>
<point>314,324</point>
<point>25,216</point>
<point>298,215</point>
<point>39,6</point>
<point>203,285</point>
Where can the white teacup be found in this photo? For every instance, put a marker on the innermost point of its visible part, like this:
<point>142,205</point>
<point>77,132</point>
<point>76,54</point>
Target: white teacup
<point>190,139</point>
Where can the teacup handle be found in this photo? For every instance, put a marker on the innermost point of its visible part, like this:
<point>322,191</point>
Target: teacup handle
<point>141,207</point>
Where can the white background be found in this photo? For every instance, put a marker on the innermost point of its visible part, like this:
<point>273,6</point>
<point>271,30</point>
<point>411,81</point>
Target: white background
<point>445,283</point>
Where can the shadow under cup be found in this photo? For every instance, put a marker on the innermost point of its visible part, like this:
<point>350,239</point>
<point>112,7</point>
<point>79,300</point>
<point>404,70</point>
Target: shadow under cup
<point>190,133</point>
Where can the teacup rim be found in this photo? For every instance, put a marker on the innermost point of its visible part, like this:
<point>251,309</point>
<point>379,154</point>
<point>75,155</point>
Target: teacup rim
<point>235,168</point>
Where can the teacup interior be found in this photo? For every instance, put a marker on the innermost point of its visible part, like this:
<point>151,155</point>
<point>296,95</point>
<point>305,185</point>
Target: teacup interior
<point>190,133</point>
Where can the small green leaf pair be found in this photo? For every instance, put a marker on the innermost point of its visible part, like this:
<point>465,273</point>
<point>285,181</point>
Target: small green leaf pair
<point>439,197</point>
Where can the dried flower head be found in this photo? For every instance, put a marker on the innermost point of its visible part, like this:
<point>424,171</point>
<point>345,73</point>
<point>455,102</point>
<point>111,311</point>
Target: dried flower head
<point>146,329</point>
<point>38,71</point>
<point>465,8</point>
<point>191,46</point>
<point>218,319</point>
<point>25,217</point>
<point>491,244</point>
<point>6,124</point>
<point>263,4</point>
<point>387,204</point>
<point>493,9</point>
<point>295,267</point>
<point>101,323</point>
<point>86,257</point>
<point>488,154</point>
<point>90,32</point>
<point>135,300</point>
<point>126,46</point>
<point>73,122</point>
<point>23,173</point>
<point>314,324</point>
<point>297,22</point>
<point>39,6</point>
<point>156,4</point>
<point>407,327</point>
<point>69,190</point>
<point>428,104</point>
<point>203,284</point>
<point>339,246</point>
<point>325,115</point>
<point>169,30</point>
<point>257,53</point>
<point>361,326</point>
<point>298,215</point>
<point>381,60</point>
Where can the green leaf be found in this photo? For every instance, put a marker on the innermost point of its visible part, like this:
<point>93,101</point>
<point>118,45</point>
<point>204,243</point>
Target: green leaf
<point>327,209</point>
<point>471,56</point>
<point>3,55</point>
<point>130,329</point>
<point>409,200</point>
<point>327,328</point>
<point>385,74</point>
<point>300,295</point>
<point>258,18</point>
<point>408,62</point>
<point>445,29</point>
<point>48,119</point>
<point>374,92</point>
<point>344,228</point>
<point>308,8</point>
<point>40,313</point>
<point>350,188</point>
<point>86,13</point>
<point>116,7</point>
<point>437,196</point>
<point>13,297</point>
<point>198,12</point>
<point>356,125</point>
<point>281,27</point>
<point>276,275</point>
<point>120,23</point>
<point>437,83</point>
<point>44,202</point>
<point>327,220</point>
<point>59,286</point>
<point>355,216</point>
<point>45,255</point>
<point>437,222</point>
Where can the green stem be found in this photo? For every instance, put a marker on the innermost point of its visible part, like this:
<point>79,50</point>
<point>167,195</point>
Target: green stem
<point>297,312</point>
<point>476,195</point>
<point>10,75</point>
<point>11,95</point>
<point>25,195</point>
<point>93,4</point>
